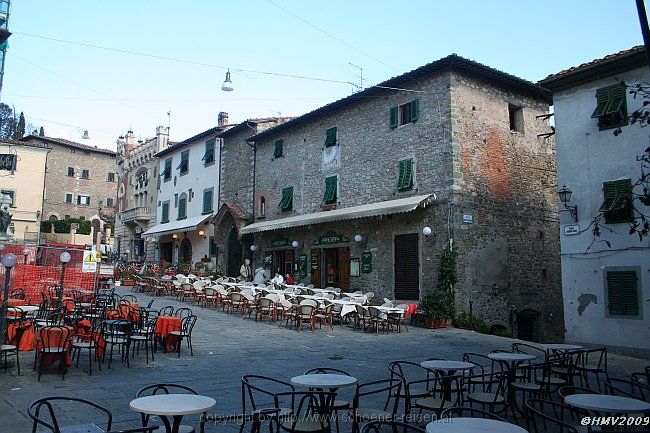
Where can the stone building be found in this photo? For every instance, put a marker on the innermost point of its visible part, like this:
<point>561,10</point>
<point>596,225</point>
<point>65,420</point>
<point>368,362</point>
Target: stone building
<point>606,288</point>
<point>188,192</point>
<point>137,171</point>
<point>236,192</point>
<point>22,179</point>
<point>80,182</point>
<point>366,192</point>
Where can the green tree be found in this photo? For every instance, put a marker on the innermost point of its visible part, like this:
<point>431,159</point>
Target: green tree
<point>20,129</point>
<point>8,121</point>
<point>41,132</point>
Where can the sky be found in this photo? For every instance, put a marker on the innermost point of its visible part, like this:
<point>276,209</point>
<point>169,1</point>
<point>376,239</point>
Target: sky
<point>68,88</point>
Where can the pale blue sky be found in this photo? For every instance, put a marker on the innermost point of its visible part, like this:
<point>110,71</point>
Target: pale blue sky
<point>70,84</point>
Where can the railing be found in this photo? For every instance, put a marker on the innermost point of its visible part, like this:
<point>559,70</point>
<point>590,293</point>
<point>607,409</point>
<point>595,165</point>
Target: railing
<point>136,213</point>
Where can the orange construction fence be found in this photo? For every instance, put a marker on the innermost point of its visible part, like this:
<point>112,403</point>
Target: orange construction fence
<point>35,279</point>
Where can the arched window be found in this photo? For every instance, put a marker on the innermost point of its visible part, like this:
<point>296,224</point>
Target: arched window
<point>262,207</point>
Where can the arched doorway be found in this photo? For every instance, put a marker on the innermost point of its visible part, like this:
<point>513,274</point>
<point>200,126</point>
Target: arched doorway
<point>185,251</point>
<point>527,323</point>
<point>53,218</point>
<point>234,259</point>
<point>96,227</point>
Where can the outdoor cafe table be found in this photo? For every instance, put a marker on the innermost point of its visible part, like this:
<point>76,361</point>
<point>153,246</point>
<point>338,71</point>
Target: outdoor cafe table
<point>172,405</point>
<point>612,404</point>
<point>320,381</point>
<point>512,360</point>
<point>27,309</point>
<point>561,347</point>
<point>472,425</point>
<point>448,368</point>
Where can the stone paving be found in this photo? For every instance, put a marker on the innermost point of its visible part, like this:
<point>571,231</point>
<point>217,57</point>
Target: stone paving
<point>228,347</point>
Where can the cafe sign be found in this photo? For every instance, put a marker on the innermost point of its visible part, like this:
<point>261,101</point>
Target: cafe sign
<point>302,265</point>
<point>277,243</point>
<point>332,239</point>
<point>366,262</point>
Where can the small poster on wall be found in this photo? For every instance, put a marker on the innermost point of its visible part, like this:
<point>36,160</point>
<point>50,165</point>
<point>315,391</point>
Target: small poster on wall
<point>302,265</point>
<point>355,265</point>
<point>331,157</point>
<point>366,262</point>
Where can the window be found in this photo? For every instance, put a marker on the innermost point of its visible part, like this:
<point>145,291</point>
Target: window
<point>622,293</point>
<point>85,174</point>
<point>72,150</point>
<point>109,202</point>
<point>208,200</point>
<point>212,247</point>
<point>516,118</point>
<point>11,193</point>
<point>68,197</point>
<point>164,216</point>
<point>190,194</point>
<point>277,153</point>
<point>184,166</point>
<point>405,174</point>
<point>208,156</point>
<point>111,177</point>
<point>83,200</point>
<point>70,171</point>
<point>617,206</point>
<point>66,217</point>
<point>262,207</point>
<point>331,137</point>
<point>82,218</point>
<point>405,113</point>
<point>175,200</point>
<point>167,172</point>
<point>330,190</point>
<point>611,107</point>
<point>286,203</point>
<point>182,207</point>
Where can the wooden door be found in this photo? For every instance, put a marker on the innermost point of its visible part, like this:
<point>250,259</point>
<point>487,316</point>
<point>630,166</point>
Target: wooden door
<point>344,268</point>
<point>407,267</point>
<point>314,267</point>
<point>288,262</point>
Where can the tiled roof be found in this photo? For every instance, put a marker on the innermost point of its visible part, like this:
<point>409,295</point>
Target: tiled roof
<point>67,143</point>
<point>595,62</point>
<point>453,62</point>
<point>250,122</point>
<point>23,143</point>
<point>207,133</point>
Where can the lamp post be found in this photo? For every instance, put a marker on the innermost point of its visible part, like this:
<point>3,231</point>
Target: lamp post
<point>471,310</point>
<point>65,258</point>
<point>564,195</point>
<point>9,260</point>
<point>25,255</point>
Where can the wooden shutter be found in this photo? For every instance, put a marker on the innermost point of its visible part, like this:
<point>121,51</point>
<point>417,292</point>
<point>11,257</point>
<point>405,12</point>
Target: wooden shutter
<point>315,273</point>
<point>286,204</point>
<point>415,110</point>
<point>602,101</point>
<point>279,144</point>
<point>616,98</point>
<point>330,190</point>
<point>622,293</point>
<point>344,268</point>
<point>207,201</point>
<point>330,139</point>
<point>407,267</point>
<point>405,174</point>
<point>165,213</point>
<point>394,117</point>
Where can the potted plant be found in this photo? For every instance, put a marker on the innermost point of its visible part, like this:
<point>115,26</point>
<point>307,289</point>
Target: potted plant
<point>438,308</point>
<point>126,277</point>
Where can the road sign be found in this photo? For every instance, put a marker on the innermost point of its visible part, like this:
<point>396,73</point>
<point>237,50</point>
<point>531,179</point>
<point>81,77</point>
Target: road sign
<point>89,263</point>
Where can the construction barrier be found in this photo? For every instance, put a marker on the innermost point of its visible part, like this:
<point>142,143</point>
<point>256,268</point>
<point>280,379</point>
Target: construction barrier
<point>35,279</point>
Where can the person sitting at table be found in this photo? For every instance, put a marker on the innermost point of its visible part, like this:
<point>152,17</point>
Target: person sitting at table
<point>277,280</point>
<point>288,279</point>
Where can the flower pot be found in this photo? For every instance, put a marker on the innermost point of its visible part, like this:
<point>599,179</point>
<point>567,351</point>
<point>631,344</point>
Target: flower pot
<point>434,324</point>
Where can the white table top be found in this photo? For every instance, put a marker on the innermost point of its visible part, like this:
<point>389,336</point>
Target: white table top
<point>472,425</point>
<point>23,308</point>
<point>324,380</point>
<point>607,403</point>
<point>172,404</point>
<point>562,346</point>
<point>507,356</point>
<point>445,365</point>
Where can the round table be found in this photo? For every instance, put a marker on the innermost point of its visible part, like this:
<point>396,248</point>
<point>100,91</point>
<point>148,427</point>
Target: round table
<point>512,361</point>
<point>27,309</point>
<point>332,381</point>
<point>607,403</point>
<point>444,365</point>
<point>174,405</point>
<point>472,425</point>
<point>562,346</point>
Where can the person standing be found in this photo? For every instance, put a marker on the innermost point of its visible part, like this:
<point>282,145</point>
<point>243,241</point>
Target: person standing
<point>246,271</point>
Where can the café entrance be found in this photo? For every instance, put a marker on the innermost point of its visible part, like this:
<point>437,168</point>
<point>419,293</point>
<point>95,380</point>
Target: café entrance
<point>283,262</point>
<point>333,267</point>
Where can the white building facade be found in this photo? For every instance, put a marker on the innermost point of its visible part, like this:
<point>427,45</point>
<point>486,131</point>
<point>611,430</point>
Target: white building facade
<point>188,189</point>
<point>606,278</point>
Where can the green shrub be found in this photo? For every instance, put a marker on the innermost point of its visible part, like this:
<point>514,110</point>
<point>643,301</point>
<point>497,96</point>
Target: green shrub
<point>63,226</point>
<point>463,321</point>
<point>438,304</point>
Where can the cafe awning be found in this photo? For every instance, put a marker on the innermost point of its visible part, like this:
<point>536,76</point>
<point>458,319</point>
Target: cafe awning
<point>367,210</point>
<point>186,225</point>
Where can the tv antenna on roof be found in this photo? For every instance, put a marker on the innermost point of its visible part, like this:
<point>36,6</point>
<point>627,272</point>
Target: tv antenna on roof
<point>359,85</point>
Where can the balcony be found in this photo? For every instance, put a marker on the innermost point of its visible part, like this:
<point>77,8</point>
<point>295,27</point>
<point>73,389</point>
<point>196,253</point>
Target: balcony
<point>136,214</point>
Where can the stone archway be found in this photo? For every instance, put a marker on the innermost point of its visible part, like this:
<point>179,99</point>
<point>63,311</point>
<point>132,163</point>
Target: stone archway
<point>53,218</point>
<point>185,251</point>
<point>527,325</point>
<point>227,223</point>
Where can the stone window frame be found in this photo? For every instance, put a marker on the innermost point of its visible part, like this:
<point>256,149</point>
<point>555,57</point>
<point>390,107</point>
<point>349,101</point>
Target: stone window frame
<point>70,171</point>
<point>516,118</point>
<point>110,177</point>
<point>639,292</point>
<point>112,202</point>
<point>79,203</point>
<point>13,196</point>
<point>65,200</point>
<point>85,174</point>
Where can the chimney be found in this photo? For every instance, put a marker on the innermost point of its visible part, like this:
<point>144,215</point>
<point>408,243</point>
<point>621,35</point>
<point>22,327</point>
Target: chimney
<point>130,142</point>
<point>162,137</point>
<point>223,119</point>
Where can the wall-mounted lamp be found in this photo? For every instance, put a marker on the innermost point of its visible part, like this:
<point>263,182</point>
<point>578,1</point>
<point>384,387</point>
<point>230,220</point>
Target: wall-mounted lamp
<point>201,233</point>
<point>253,248</point>
<point>175,236</point>
<point>564,194</point>
<point>426,231</point>
<point>550,317</point>
<point>295,244</point>
<point>496,288</point>
<point>358,238</point>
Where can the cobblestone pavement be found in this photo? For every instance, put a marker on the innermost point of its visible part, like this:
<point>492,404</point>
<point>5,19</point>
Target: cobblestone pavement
<point>227,347</point>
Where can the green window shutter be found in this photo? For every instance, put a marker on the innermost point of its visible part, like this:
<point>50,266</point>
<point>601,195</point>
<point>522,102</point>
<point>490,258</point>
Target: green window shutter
<point>330,139</point>
<point>277,153</point>
<point>394,114</point>
<point>405,175</point>
<point>182,204</point>
<point>617,206</point>
<point>415,110</point>
<point>184,164</point>
<point>622,293</point>
<point>207,201</point>
<point>609,191</point>
<point>330,190</point>
<point>208,156</point>
<point>286,204</point>
<point>617,99</point>
<point>602,101</point>
<point>165,213</point>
